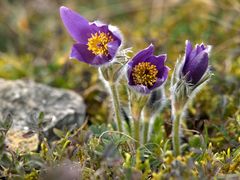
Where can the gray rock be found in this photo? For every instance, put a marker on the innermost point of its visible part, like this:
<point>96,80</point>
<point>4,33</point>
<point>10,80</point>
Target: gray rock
<point>24,100</point>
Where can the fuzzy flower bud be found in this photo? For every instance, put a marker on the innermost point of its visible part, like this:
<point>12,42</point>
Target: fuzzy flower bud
<point>195,62</point>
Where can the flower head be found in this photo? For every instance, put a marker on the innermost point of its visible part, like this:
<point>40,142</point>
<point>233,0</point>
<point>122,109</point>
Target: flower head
<point>147,72</point>
<point>96,43</point>
<point>195,62</point>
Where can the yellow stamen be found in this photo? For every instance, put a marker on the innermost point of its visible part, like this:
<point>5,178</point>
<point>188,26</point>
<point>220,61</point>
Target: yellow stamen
<point>145,73</point>
<point>98,43</point>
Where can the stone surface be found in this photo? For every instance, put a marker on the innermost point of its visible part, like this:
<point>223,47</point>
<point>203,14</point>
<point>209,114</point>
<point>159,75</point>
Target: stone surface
<point>24,100</point>
<point>16,140</point>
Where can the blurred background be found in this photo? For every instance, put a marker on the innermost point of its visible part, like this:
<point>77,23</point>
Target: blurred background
<point>35,45</point>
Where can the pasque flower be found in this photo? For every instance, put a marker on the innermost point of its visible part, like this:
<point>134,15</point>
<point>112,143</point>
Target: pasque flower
<point>96,43</point>
<point>147,72</point>
<point>190,74</point>
<point>195,62</point>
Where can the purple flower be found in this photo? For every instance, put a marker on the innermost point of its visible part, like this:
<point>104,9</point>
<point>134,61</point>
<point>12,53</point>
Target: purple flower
<point>195,62</point>
<point>96,43</point>
<point>147,72</point>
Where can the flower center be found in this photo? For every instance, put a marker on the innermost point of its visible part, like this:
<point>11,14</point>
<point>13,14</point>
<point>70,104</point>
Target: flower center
<point>145,73</point>
<point>98,42</point>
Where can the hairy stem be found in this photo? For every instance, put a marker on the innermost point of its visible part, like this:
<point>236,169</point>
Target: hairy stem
<point>137,105</point>
<point>136,115</point>
<point>137,132</point>
<point>176,133</point>
<point>145,131</point>
<point>116,106</point>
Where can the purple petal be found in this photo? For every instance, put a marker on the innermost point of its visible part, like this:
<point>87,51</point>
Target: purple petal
<point>203,47</point>
<point>77,26</point>
<point>129,75</point>
<point>188,48</point>
<point>196,64</point>
<point>199,60</point>
<point>142,56</point>
<point>81,53</point>
<point>116,34</point>
<point>112,48</point>
<point>198,67</point>
<point>98,26</point>
<point>141,89</point>
<point>192,55</point>
<point>161,79</point>
<point>188,59</point>
<point>199,49</point>
<point>100,60</point>
<point>157,60</point>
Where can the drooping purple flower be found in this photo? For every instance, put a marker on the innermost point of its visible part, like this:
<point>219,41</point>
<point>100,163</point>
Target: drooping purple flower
<point>147,72</point>
<point>195,62</point>
<point>96,43</point>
